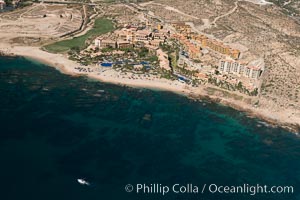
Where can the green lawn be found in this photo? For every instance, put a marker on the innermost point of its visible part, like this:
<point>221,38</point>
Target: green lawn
<point>101,26</point>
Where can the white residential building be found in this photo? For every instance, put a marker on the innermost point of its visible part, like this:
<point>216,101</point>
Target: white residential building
<point>252,70</point>
<point>2,4</point>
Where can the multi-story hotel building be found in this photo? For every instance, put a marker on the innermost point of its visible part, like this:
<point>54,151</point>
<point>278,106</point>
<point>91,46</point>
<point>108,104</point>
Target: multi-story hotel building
<point>252,70</point>
<point>220,47</point>
<point>125,34</point>
<point>182,27</point>
<point>215,45</point>
<point>105,43</point>
<point>142,35</point>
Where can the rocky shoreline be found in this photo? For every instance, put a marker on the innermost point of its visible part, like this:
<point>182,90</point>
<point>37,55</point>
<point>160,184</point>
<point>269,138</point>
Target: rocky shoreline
<point>64,65</point>
<point>294,128</point>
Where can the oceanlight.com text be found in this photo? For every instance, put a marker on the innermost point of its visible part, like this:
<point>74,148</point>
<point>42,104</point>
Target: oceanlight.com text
<point>161,189</point>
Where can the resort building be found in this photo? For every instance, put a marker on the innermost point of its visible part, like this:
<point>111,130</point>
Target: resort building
<point>234,53</point>
<point>97,42</point>
<point>252,70</point>
<point>2,4</point>
<point>108,43</point>
<point>134,35</point>
<point>142,35</point>
<point>105,43</point>
<point>125,34</point>
<point>124,44</point>
<point>156,43</point>
<point>163,60</point>
<point>218,46</point>
<point>158,36</point>
<point>201,41</point>
<point>192,49</point>
<point>221,48</point>
<point>184,61</point>
<point>182,27</point>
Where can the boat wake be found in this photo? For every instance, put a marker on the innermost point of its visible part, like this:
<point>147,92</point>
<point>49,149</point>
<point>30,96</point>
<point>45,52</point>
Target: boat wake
<point>83,182</point>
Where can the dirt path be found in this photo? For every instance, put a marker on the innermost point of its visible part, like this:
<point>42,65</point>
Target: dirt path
<point>207,24</point>
<point>167,7</point>
<point>29,10</point>
<point>226,14</point>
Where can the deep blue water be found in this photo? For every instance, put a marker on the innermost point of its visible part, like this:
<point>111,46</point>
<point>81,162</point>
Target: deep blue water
<point>56,128</point>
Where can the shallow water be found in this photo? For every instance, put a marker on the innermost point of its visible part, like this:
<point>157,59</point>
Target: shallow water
<point>57,128</point>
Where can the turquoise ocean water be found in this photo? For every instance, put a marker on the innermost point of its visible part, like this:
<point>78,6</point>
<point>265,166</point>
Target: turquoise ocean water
<point>55,128</point>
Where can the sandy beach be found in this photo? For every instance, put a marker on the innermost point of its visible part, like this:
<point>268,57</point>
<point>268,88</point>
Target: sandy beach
<point>267,111</point>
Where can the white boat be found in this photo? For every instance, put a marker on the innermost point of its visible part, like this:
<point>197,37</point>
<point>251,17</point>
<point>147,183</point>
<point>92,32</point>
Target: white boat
<point>82,181</point>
